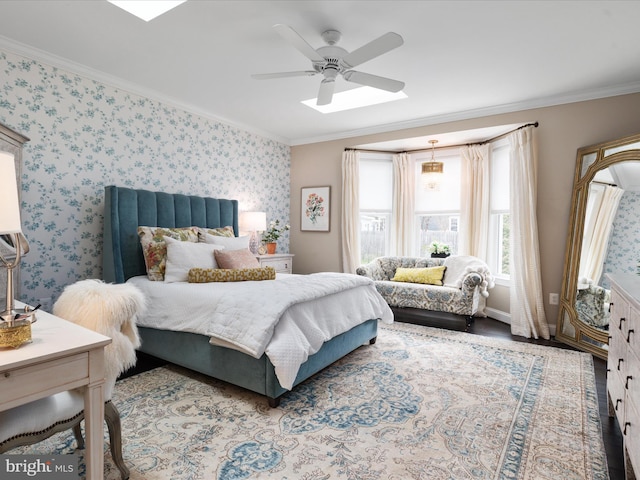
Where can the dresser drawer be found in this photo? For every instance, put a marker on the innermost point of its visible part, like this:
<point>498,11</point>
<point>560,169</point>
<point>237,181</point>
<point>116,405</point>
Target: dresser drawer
<point>632,331</point>
<point>632,435</point>
<point>619,314</point>
<point>616,358</point>
<point>631,380</point>
<point>617,395</point>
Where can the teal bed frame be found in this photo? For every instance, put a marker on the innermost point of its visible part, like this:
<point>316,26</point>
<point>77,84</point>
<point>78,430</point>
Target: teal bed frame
<point>125,210</point>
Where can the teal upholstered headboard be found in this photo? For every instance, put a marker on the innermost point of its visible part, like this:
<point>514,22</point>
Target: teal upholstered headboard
<point>125,209</point>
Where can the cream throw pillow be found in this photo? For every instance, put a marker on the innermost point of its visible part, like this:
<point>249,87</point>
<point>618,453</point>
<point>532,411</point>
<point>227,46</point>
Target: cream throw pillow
<point>183,256</point>
<point>230,243</point>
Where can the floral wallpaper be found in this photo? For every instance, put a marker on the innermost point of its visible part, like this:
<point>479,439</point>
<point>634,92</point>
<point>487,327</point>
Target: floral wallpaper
<point>623,255</point>
<point>85,135</point>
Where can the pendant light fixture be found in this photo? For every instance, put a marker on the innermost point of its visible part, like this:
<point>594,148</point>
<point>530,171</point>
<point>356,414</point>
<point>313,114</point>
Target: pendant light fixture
<point>432,171</point>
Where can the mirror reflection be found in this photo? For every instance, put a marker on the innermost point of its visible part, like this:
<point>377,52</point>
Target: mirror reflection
<point>604,237</point>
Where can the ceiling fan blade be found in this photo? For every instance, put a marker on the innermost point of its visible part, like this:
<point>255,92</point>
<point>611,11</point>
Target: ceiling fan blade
<point>325,95</point>
<point>297,41</point>
<point>267,76</point>
<point>377,47</point>
<point>374,81</point>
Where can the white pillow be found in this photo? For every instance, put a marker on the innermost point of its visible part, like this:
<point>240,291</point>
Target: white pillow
<point>183,256</point>
<point>230,243</point>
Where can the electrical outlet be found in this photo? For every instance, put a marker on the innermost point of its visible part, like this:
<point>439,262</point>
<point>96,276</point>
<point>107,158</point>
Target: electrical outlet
<point>45,304</point>
<point>554,299</point>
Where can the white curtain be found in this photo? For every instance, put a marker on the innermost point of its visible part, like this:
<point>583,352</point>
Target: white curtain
<point>474,205</point>
<point>527,307</point>
<point>602,206</point>
<point>350,211</point>
<point>403,205</point>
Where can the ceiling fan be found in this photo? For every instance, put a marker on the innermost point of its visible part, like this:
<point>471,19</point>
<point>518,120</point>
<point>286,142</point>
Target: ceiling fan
<point>331,61</point>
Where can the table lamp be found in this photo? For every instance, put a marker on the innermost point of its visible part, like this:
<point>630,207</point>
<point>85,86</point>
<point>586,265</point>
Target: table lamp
<point>253,222</point>
<point>15,327</point>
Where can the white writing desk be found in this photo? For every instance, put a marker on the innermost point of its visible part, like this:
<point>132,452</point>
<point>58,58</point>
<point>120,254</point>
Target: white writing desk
<point>61,356</point>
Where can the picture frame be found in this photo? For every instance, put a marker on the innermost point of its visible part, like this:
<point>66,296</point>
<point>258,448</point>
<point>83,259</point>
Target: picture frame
<point>315,209</point>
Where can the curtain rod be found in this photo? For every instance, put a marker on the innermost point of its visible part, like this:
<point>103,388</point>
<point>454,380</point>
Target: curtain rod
<point>606,184</point>
<point>498,137</point>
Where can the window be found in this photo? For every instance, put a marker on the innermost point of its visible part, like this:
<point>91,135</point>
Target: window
<point>376,189</point>
<point>499,219</point>
<point>437,212</point>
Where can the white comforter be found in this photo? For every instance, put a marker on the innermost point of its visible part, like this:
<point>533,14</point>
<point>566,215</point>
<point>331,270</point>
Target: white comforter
<point>288,318</point>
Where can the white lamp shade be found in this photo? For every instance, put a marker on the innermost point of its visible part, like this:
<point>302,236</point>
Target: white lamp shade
<point>9,202</point>
<point>252,222</point>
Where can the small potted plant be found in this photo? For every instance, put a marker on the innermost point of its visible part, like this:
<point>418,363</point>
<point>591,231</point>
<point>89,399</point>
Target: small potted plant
<point>271,235</point>
<point>439,250</point>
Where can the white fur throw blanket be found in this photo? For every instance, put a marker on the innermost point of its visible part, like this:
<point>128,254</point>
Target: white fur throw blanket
<point>111,310</point>
<point>459,266</point>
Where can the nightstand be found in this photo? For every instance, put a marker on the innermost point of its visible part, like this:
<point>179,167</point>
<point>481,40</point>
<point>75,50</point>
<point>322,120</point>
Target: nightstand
<point>281,262</point>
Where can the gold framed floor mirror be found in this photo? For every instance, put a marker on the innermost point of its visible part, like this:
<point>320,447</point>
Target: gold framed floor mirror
<point>603,237</point>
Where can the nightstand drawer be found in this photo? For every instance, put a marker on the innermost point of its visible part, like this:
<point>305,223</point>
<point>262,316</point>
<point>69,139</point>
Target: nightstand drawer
<point>631,431</point>
<point>280,262</point>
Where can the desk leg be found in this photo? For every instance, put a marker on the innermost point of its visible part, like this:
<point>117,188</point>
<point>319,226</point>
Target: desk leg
<point>94,420</point>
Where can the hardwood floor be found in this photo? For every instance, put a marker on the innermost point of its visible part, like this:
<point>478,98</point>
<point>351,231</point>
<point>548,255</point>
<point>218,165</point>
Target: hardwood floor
<point>493,328</point>
<point>610,432</point>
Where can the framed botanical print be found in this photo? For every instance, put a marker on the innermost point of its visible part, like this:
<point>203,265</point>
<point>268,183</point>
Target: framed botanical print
<point>315,209</point>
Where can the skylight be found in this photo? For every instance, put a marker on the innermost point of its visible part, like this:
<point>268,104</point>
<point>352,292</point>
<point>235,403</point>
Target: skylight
<point>356,98</point>
<point>146,9</point>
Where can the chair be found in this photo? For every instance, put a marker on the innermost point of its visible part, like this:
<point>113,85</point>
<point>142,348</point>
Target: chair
<point>109,309</point>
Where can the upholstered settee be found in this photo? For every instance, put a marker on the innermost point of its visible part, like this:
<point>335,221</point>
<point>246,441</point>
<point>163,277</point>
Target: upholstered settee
<point>462,291</point>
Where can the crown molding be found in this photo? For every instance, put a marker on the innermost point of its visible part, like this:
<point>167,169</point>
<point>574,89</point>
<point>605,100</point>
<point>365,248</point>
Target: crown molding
<point>574,97</point>
<point>116,82</point>
<point>55,61</point>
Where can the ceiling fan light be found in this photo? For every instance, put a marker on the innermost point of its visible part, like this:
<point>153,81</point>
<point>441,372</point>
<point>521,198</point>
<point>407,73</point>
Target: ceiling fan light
<point>333,61</point>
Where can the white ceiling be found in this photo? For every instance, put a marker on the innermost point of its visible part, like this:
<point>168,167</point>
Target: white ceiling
<point>625,175</point>
<point>460,59</point>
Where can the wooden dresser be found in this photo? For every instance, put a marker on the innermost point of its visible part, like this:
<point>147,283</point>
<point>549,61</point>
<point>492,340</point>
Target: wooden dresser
<point>623,365</point>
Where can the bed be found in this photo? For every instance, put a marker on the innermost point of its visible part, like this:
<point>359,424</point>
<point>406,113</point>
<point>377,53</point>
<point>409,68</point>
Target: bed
<point>123,261</point>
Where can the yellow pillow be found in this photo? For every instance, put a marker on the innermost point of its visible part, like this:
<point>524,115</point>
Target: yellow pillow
<point>205,275</point>
<point>427,275</point>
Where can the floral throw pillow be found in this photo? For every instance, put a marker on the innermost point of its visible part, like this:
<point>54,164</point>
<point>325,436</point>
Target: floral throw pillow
<point>217,232</point>
<point>154,248</point>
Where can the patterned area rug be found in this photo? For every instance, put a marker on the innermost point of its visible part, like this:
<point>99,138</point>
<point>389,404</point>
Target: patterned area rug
<point>421,403</point>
